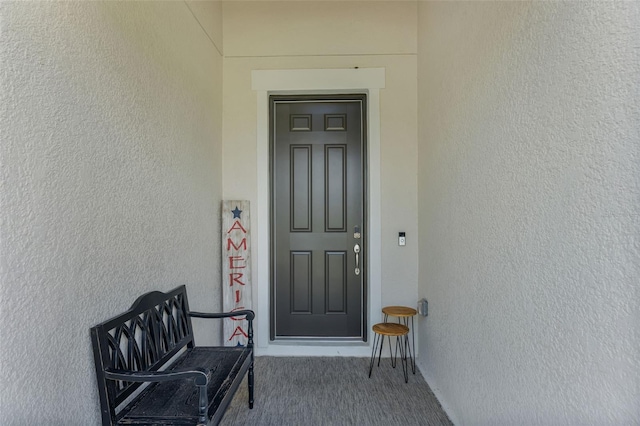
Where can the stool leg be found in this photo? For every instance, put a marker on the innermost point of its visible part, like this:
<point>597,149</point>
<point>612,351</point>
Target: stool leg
<point>381,345</point>
<point>413,355</point>
<point>397,344</point>
<point>376,340</point>
<point>411,348</point>
<point>394,358</point>
<point>403,354</point>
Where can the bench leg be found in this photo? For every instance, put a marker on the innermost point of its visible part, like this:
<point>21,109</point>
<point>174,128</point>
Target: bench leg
<point>202,406</point>
<point>250,381</point>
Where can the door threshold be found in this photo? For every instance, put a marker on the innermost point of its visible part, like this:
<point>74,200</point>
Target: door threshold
<point>319,341</point>
<point>315,347</point>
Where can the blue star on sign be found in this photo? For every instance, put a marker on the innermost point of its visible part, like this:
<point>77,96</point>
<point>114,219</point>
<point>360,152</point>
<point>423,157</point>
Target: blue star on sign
<point>236,213</point>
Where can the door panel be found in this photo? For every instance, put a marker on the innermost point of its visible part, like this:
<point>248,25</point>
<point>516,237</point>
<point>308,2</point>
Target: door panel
<point>301,191</point>
<point>336,281</point>
<point>318,201</point>
<point>301,277</point>
<point>335,188</point>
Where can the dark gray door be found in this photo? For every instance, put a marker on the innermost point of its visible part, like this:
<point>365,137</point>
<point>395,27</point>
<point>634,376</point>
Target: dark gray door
<point>318,279</point>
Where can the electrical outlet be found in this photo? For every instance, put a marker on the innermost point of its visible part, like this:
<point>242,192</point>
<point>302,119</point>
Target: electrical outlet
<point>423,307</point>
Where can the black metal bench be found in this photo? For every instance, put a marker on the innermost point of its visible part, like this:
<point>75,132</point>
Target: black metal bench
<point>150,372</point>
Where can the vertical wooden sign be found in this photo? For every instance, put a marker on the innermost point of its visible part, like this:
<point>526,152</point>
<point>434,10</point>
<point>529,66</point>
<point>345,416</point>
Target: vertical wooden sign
<point>236,269</point>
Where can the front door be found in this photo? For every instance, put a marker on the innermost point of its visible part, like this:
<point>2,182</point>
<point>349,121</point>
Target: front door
<point>318,243</point>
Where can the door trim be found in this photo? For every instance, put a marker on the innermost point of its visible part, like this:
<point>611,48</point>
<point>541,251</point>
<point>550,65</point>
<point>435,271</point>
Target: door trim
<point>313,82</point>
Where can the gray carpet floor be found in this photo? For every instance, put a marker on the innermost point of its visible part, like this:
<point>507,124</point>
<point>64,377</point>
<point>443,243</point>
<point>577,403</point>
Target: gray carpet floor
<point>334,391</point>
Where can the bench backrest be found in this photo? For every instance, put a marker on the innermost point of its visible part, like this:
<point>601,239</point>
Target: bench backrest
<point>144,338</point>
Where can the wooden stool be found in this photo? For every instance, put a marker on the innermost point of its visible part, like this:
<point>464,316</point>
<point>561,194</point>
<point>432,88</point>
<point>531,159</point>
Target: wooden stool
<point>403,314</point>
<point>391,330</point>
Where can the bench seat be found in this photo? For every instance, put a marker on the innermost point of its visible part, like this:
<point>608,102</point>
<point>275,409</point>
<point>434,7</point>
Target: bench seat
<point>174,403</point>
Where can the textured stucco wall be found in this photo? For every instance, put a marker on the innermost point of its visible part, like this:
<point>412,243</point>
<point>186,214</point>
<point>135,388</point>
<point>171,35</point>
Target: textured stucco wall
<point>284,47</point>
<point>529,196</point>
<point>110,182</point>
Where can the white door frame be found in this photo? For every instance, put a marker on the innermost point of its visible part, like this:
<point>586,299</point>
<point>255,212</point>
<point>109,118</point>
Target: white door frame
<point>316,81</point>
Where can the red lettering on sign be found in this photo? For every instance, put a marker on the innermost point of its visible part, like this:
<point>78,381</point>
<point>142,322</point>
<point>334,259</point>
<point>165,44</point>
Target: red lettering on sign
<point>238,332</point>
<point>239,308</point>
<point>234,259</point>
<point>234,277</point>
<point>237,296</point>
<point>243,244</point>
<point>236,225</point>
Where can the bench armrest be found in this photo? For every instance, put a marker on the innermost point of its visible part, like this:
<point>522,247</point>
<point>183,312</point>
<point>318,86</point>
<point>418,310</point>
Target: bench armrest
<point>250,315</point>
<point>198,375</point>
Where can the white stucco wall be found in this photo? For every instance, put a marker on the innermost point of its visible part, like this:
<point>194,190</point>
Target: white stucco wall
<point>332,39</point>
<point>303,28</point>
<point>529,189</point>
<point>110,182</point>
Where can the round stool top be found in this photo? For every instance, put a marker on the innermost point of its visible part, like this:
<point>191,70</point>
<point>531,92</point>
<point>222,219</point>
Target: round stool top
<point>390,329</point>
<point>399,311</point>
